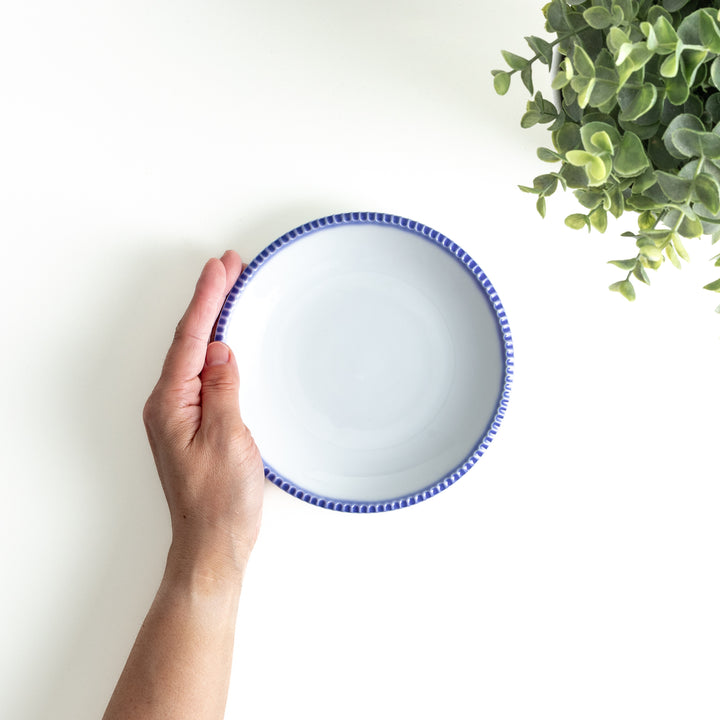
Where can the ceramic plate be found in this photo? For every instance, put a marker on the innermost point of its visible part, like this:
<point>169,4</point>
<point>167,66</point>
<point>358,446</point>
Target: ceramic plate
<point>375,360</point>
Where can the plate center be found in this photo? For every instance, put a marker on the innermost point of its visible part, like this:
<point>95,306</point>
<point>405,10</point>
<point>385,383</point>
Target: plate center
<point>369,360</point>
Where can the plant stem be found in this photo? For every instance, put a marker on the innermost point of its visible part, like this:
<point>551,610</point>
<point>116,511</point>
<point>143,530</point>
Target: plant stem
<point>552,44</point>
<point>673,230</point>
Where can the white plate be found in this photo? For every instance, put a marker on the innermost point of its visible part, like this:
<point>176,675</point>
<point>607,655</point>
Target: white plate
<point>375,360</point>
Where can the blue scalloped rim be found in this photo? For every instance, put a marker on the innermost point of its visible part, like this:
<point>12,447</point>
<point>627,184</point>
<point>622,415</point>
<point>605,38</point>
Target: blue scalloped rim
<point>483,283</point>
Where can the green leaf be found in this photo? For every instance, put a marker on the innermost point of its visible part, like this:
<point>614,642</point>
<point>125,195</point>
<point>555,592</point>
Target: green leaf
<point>542,48</point>
<point>690,227</point>
<point>548,109</point>
<point>616,38</point>
<point>555,15</point>
<point>652,253</point>
<point>547,155</point>
<point>575,177</point>
<point>540,205</point>
<point>642,202</point>
<point>676,188</point>
<point>557,123</point>
<point>626,8</point>
<point>709,34</point>
<point>656,237</point>
<point>530,118</point>
<point>672,256</point>
<point>680,248</point>
<point>712,107</point>
<point>590,129</point>
<point>644,182</point>
<point>648,31</point>
<point>567,138</point>
<point>582,62</point>
<point>624,52</point>
<point>690,63</point>
<point>545,184</point>
<point>628,264</point>
<point>601,140</point>
<point>617,201</point>
<point>589,199</point>
<point>560,80</point>
<point>707,191</point>
<point>598,171</point>
<point>646,220</point>
<point>625,288</point>
<point>580,158</point>
<point>694,105</point>
<point>501,82</point>
<point>598,219</point>
<point>673,5</point>
<point>514,61</point>
<point>576,221</point>
<point>656,11</point>
<point>692,143</point>
<point>684,120</point>
<point>677,90</point>
<point>637,103</point>
<point>597,168</point>
<point>526,77</point>
<point>670,65</point>
<point>570,105</point>
<point>598,18</point>
<point>585,89</point>
<point>630,159</point>
<point>640,274</point>
<point>607,80</point>
<point>715,72</point>
<point>713,286</point>
<point>665,35</point>
<point>634,60</point>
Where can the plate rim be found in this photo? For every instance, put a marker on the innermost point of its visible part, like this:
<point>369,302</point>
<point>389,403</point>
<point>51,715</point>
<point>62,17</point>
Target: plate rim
<point>482,281</point>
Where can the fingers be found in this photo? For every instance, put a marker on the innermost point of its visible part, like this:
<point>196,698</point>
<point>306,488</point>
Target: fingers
<point>186,357</point>
<point>233,267</point>
<point>220,386</point>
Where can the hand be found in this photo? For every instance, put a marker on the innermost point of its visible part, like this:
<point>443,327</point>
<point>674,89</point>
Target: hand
<point>209,466</point>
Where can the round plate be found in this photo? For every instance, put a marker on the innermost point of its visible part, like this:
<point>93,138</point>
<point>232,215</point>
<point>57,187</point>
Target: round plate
<point>375,360</point>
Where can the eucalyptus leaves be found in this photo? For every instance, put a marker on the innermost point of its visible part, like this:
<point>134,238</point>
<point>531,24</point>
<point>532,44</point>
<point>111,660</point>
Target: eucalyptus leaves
<point>636,123</point>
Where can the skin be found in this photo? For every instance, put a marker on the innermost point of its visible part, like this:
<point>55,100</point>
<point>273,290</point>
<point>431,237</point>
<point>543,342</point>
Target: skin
<point>212,475</point>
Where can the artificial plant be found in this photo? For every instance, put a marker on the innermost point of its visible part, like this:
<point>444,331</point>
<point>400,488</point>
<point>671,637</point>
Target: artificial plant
<point>635,121</point>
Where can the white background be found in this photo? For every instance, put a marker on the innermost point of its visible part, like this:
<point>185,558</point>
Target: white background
<point>573,573</point>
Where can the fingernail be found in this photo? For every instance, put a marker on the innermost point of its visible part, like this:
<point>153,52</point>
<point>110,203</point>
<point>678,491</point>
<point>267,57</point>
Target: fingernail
<point>218,353</point>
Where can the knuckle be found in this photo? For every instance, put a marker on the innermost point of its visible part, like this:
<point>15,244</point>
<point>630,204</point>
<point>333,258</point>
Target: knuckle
<point>149,410</point>
<point>221,384</point>
<point>153,414</point>
<point>178,331</point>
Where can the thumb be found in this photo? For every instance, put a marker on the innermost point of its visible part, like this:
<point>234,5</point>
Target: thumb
<point>220,386</point>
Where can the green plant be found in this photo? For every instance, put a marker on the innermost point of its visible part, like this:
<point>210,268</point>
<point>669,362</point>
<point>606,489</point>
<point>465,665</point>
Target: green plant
<point>635,124</point>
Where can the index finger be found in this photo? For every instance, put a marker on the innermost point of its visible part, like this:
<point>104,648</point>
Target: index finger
<point>186,356</point>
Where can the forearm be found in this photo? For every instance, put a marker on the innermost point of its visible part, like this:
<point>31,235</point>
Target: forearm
<point>180,664</point>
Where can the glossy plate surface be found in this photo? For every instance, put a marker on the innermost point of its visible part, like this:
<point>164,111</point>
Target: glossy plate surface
<point>375,360</point>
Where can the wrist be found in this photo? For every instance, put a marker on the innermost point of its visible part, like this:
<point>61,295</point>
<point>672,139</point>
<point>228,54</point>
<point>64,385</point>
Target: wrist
<point>207,564</point>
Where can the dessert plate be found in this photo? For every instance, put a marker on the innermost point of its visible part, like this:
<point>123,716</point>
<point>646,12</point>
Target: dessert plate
<point>375,360</point>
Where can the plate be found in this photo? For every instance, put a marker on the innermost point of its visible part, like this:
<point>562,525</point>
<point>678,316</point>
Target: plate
<point>375,360</point>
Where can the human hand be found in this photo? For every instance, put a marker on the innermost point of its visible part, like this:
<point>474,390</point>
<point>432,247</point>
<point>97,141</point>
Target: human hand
<point>209,466</point>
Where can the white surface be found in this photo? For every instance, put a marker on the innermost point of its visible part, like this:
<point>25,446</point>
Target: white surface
<point>571,574</point>
<point>377,362</point>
